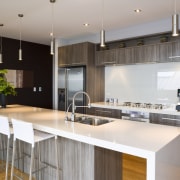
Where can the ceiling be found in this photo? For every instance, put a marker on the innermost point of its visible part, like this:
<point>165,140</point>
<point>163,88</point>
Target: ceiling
<point>70,15</point>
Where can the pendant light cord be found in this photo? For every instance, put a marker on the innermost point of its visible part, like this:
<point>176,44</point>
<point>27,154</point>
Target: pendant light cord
<point>102,15</point>
<point>52,19</point>
<point>175,7</point>
<point>20,29</point>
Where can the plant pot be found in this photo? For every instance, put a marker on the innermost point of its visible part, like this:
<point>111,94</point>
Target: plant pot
<point>3,100</point>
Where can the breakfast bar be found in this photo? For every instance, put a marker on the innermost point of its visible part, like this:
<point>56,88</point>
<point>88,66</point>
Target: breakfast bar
<point>158,144</point>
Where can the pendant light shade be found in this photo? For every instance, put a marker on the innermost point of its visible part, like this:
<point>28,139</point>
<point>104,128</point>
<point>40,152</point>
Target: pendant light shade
<point>175,25</point>
<point>102,32</point>
<point>1,56</point>
<point>175,22</point>
<point>102,38</point>
<point>52,48</point>
<point>20,37</point>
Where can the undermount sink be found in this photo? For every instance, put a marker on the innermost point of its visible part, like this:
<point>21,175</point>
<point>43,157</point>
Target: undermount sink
<point>94,121</point>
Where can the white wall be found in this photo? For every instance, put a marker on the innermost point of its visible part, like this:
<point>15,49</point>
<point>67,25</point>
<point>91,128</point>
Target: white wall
<point>161,26</point>
<point>146,83</point>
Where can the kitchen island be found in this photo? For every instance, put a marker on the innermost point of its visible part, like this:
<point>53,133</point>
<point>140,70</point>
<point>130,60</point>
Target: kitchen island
<point>158,144</point>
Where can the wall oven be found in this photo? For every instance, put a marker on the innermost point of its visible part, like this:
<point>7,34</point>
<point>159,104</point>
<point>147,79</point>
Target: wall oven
<point>135,116</point>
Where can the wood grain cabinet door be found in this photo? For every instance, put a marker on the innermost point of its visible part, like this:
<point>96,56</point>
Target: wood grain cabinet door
<point>175,51</point>
<point>79,54</point>
<point>165,119</point>
<point>164,51</point>
<point>145,53</point>
<point>106,57</point>
<point>64,55</point>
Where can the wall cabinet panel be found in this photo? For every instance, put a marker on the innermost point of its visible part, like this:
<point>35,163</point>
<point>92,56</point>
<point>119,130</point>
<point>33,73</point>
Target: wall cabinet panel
<point>106,57</point>
<point>105,112</point>
<point>73,55</point>
<point>145,53</point>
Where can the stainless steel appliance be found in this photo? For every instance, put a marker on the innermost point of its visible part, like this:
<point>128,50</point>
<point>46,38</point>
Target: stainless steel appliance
<point>70,81</point>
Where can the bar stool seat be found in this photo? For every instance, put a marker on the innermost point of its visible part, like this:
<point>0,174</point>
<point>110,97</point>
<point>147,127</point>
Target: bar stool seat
<point>24,131</point>
<point>5,129</point>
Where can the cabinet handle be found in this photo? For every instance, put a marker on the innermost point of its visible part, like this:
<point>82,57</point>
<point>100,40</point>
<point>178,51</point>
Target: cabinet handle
<point>112,62</point>
<point>172,119</point>
<point>78,63</point>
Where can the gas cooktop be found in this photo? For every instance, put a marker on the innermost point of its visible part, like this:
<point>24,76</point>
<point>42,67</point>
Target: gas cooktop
<point>143,105</point>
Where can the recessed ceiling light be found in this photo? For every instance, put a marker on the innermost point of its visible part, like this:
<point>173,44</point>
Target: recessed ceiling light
<point>86,24</point>
<point>137,10</point>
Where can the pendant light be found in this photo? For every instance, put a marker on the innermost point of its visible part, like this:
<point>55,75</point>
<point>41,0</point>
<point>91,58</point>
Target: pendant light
<point>52,28</point>
<point>102,33</point>
<point>175,22</point>
<point>20,36</point>
<point>1,58</point>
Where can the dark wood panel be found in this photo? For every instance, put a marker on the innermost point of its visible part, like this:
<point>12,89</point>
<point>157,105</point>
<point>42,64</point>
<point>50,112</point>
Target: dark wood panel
<point>37,59</point>
<point>165,119</point>
<point>105,112</point>
<point>108,164</point>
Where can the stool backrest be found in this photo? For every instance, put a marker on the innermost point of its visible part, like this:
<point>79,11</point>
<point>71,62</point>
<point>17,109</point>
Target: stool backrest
<point>4,126</point>
<point>23,131</point>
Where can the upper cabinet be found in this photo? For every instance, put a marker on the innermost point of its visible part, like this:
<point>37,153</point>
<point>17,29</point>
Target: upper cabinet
<point>145,53</point>
<point>168,52</point>
<point>175,51</point>
<point>164,51</point>
<point>105,57</point>
<point>73,55</point>
<point>150,53</point>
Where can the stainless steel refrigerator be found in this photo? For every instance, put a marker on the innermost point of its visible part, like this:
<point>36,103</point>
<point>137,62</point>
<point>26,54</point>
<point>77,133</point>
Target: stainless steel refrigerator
<point>70,81</point>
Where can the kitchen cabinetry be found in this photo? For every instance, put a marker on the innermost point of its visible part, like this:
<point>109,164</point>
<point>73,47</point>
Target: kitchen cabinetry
<point>125,55</point>
<point>73,55</point>
<point>164,51</point>
<point>108,164</point>
<point>157,52</point>
<point>175,51</point>
<point>165,119</point>
<point>168,52</point>
<point>83,54</point>
<point>145,53</point>
<point>105,112</point>
<point>64,55</point>
<point>105,57</point>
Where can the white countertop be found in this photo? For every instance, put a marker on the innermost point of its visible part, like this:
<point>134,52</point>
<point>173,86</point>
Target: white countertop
<point>136,138</point>
<point>170,110</point>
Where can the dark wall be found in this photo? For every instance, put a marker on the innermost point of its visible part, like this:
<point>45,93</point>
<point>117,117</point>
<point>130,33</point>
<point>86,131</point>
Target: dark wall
<point>37,58</point>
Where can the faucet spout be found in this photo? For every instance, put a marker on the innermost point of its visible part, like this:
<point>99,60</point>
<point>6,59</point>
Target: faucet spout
<point>74,106</point>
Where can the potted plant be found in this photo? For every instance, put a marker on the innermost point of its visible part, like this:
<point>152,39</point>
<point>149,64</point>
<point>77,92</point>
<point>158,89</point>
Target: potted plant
<point>6,88</point>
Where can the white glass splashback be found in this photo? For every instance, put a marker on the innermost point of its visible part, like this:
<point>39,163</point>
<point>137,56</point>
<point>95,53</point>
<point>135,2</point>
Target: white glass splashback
<point>152,83</point>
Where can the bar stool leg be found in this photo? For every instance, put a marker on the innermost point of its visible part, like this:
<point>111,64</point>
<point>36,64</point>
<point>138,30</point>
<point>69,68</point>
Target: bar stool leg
<point>57,164</point>
<point>31,163</point>
<point>7,159</point>
<point>13,155</point>
<point>39,160</point>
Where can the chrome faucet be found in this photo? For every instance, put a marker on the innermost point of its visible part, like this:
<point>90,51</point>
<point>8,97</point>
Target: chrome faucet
<point>74,106</point>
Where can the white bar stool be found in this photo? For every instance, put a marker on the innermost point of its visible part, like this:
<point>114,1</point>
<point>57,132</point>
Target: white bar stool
<point>24,131</point>
<point>5,129</point>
